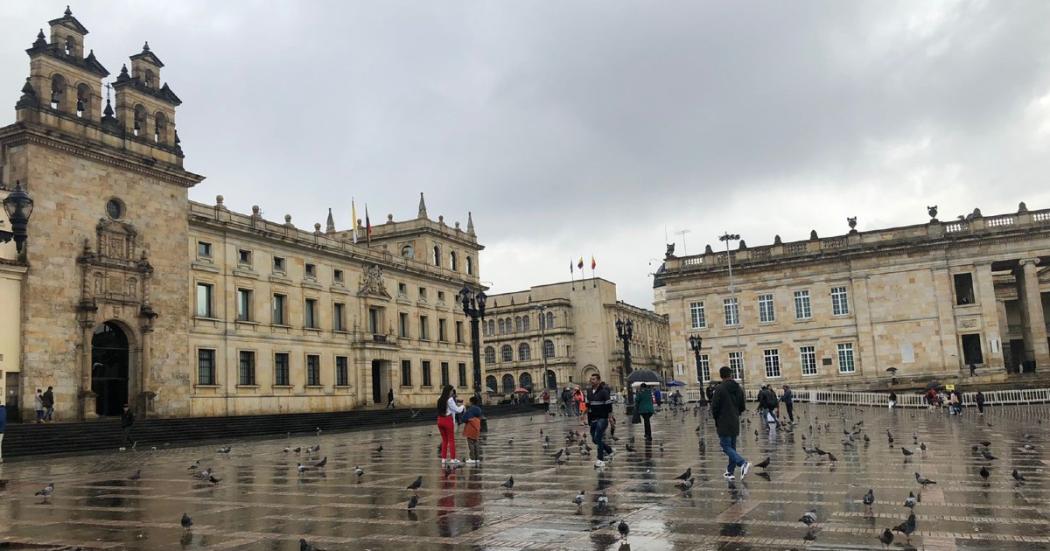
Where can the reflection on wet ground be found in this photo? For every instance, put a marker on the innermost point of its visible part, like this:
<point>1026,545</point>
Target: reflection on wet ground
<point>263,502</point>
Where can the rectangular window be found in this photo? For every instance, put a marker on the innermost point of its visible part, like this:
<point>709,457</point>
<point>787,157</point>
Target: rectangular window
<point>705,368</point>
<point>278,264</point>
<point>462,374</point>
<point>342,371</point>
<point>444,374</point>
<point>406,372</point>
<point>736,363</point>
<point>772,361</point>
<point>808,354</point>
<point>425,366</point>
<point>441,296</point>
<point>204,249</point>
<point>402,290</point>
<point>339,317</point>
<point>311,270</point>
<point>846,358</point>
<point>402,325</point>
<point>373,321</point>
<point>244,305</point>
<point>802,307</point>
<point>423,294</point>
<point>246,371</point>
<point>278,309</point>
<point>459,331</point>
<point>205,367</point>
<point>964,289</point>
<point>696,312</point>
<point>337,275</point>
<point>310,314</point>
<point>732,311</point>
<point>424,328</point>
<point>443,330</point>
<point>839,301</point>
<point>204,300</point>
<point>765,309</point>
<point>244,257</point>
<point>282,371</point>
<point>313,370</point>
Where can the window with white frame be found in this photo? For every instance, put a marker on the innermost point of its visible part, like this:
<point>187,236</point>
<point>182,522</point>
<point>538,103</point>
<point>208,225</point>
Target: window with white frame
<point>765,309</point>
<point>696,312</point>
<point>839,301</point>
<point>736,363</point>
<point>732,311</point>
<point>772,361</point>
<point>808,355</point>
<point>846,364</point>
<point>803,310</point>
<point>705,368</point>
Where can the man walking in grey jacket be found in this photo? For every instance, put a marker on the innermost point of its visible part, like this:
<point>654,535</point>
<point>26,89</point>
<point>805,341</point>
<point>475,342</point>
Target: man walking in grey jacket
<point>727,403</point>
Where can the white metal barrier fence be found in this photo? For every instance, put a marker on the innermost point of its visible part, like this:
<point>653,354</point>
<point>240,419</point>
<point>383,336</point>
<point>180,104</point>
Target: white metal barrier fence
<point>904,399</point>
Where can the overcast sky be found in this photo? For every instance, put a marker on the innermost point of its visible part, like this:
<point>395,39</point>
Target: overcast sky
<point>580,128</point>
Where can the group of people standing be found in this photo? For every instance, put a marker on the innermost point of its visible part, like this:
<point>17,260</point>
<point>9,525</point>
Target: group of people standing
<point>449,411</point>
<point>44,404</point>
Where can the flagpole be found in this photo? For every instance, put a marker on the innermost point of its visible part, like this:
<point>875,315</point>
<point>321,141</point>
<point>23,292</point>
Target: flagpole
<point>572,275</point>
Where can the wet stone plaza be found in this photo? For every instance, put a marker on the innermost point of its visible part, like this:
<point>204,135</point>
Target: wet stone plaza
<point>262,502</point>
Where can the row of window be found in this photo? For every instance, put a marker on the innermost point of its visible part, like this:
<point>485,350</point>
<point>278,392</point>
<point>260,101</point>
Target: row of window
<point>311,314</point>
<point>524,352</point>
<point>519,324</point>
<point>807,357</point>
<point>435,258</point>
<point>767,309</point>
<point>427,380</point>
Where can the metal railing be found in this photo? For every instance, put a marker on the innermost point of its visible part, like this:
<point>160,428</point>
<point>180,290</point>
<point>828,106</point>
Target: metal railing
<point>909,399</point>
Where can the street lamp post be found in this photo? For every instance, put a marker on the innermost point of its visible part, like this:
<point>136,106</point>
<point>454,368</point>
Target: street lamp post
<point>695,343</point>
<point>474,307</point>
<point>19,207</point>
<point>543,345</point>
<point>624,332</point>
<point>727,237</point>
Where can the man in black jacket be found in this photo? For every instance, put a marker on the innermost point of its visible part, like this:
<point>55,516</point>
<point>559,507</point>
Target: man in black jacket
<point>727,403</point>
<point>127,419</point>
<point>599,405</point>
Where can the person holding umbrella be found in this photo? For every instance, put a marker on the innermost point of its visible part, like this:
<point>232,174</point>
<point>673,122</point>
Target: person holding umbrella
<point>643,403</point>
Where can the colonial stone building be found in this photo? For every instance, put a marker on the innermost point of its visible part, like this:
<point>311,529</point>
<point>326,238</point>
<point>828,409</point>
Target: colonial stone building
<point>855,310</point>
<point>134,294</point>
<point>550,335</point>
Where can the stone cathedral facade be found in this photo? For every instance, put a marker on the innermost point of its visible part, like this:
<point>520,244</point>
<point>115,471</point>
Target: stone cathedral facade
<point>132,293</point>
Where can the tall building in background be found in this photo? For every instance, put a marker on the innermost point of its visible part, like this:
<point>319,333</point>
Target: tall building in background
<point>857,310</point>
<point>551,335</point>
<point>134,294</point>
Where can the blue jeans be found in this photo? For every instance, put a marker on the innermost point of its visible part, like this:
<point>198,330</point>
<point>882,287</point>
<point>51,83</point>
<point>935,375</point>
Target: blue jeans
<point>598,427</point>
<point>728,444</point>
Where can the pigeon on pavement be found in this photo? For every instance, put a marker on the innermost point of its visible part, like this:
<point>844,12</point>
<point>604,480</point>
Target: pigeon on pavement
<point>508,484</point>
<point>869,498</point>
<point>413,502</point>
<point>46,491</point>
<point>1017,476</point>
<point>886,538</point>
<point>623,529</point>
<point>809,518</point>
<point>923,480</point>
<point>909,501</point>
<point>186,521</point>
<point>907,527</point>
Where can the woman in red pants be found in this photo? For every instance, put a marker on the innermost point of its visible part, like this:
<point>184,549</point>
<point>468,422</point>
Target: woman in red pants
<point>447,408</point>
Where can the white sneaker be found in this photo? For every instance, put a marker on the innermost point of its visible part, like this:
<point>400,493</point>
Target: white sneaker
<point>473,462</point>
<point>444,461</point>
<point>599,464</point>
<point>455,462</point>
<point>728,476</point>
<point>745,469</point>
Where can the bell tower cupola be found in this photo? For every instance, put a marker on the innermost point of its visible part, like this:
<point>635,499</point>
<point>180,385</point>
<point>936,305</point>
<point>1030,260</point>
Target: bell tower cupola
<point>145,107</point>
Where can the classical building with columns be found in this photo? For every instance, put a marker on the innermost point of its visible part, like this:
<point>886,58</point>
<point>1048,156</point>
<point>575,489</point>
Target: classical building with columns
<point>132,293</point>
<point>856,310</point>
<point>551,335</point>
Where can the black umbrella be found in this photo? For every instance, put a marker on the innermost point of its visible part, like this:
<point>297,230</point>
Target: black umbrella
<point>933,385</point>
<point>892,370</point>
<point>643,376</point>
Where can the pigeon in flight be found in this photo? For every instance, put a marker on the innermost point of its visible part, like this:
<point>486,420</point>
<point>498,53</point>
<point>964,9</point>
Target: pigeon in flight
<point>186,521</point>
<point>415,484</point>
<point>809,518</point>
<point>923,480</point>
<point>509,484</point>
<point>907,527</point>
<point>686,475</point>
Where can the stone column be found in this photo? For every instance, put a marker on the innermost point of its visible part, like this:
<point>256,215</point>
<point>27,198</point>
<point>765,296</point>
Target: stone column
<point>984,291</point>
<point>145,395</point>
<point>87,397</point>
<point>1028,297</point>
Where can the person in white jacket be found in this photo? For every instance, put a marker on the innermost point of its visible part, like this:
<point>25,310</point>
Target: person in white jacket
<point>447,408</point>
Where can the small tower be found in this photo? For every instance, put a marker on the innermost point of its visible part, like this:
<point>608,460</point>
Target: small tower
<point>422,207</point>
<point>329,224</point>
<point>66,83</point>
<point>145,107</point>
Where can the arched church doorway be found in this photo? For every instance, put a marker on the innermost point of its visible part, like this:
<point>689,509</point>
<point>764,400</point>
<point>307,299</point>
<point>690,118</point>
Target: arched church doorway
<point>109,368</point>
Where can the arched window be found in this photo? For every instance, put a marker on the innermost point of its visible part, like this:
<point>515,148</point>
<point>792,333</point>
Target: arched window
<point>150,79</point>
<point>70,46</point>
<point>525,323</point>
<point>470,266</point>
<point>139,128</point>
<point>452,264</point>
<point>510,326</point>
<point>437,255</point>
<point>525,381</point>
<point>548,348</point>
<point>58,91</point>
<point>550,320</point>
<point>508,384</point>
<point>83,100</point>
<point>502,328</point>
<point>490,383</point>
<point>160,128</point>
<point>524,352</point>
<point>517,324</point>
<point>507,353</point>
<point>552,380</point>
<point>490,355</point>
<point>492,327</point>
<point>407,251</point>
